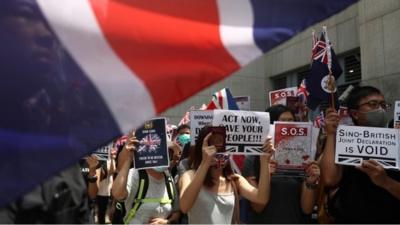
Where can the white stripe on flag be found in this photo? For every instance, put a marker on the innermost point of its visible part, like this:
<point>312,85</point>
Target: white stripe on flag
<point>236,30</point>
<point>125,94</point>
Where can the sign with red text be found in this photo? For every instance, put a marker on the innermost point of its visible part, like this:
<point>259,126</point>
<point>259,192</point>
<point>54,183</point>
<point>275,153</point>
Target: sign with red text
<point>292,142</point>
<point>246,131</point>
<point>279,96</point>
<point>355,144</point>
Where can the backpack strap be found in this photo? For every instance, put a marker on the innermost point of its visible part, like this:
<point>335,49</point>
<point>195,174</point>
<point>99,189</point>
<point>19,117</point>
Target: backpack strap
<point>169,184</point>
<point>140,194</point>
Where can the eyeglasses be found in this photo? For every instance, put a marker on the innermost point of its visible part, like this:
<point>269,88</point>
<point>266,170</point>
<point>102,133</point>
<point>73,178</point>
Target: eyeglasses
<point>374,104</point>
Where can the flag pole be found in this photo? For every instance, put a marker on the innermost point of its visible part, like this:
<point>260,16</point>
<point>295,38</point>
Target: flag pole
<point>331,83</point>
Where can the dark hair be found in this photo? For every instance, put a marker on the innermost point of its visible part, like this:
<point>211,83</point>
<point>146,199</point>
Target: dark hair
<point>186,150</point>
<point>275,112</point>
<point>359,93</point>
<point>181,127</point>
<point>194,162</point>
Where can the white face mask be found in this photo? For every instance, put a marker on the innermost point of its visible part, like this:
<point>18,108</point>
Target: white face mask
<point>376,118</point>
<point>160,169</point>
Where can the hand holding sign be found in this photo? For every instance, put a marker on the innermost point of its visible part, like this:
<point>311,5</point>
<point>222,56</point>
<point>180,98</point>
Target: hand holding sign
<point>375,171</point>
<point>208,151</point>
<point>92,162</point>
<point>313,173</point>
<point>269,150</point>
<point>128,150</point>
<point>331,121</point>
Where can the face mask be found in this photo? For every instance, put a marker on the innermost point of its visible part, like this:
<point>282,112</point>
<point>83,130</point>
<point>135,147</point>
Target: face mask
<point>376,118</point>
<point>221,160</point>
<point>160,169</point>
<point>183,139</point>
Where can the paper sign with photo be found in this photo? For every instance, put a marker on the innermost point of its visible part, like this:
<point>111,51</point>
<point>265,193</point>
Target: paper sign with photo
<point>152,149</point>
<point>292,141</point>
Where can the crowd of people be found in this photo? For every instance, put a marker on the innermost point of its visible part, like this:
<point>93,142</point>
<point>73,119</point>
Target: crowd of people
<point>200,186</point>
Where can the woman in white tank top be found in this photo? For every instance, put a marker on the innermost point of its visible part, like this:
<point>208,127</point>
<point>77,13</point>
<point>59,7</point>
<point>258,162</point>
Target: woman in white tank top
<point>207,191</point>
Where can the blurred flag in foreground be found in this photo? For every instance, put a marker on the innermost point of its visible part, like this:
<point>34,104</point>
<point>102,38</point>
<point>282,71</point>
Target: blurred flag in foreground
<point>76,74</point>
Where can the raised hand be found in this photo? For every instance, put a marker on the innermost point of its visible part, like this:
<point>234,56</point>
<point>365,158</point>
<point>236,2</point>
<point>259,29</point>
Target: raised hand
<point>313,173</point>
<point>92,162</point>
<point>208,152</point>
<point>375,171</point>
<point>331,121</point>
<point>128,150</point>
<point>269,151</point>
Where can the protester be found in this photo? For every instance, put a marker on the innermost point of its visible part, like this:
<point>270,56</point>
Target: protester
<point>161,207</point>
<point>292,198</point>
<point>61,199</point>
<point>104,193</point>
<point>175,152</point>
<point>367,193</point>
<point>209,192</point>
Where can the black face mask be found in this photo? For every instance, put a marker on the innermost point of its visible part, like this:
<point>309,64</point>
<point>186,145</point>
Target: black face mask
<point>376,118</point>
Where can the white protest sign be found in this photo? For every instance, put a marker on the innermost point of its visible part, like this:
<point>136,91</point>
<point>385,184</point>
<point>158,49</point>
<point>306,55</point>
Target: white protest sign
<point>279,96</point>
<point>396,118</point>
<point>246,131</point>
<point>243,102</point>
<point>103,153</point>
<point>355,144</point>
<point>292,142</point>
<point>198,119</point>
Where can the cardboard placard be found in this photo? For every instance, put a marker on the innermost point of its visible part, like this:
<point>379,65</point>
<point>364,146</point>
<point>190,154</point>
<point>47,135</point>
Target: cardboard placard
<point>246,131</point>
<point>292,141</point>
<point>396,118</point>
<point>355,144</point>
<point>152,150</point>
<point>279,96</point>
<point>103,153</point>
<point>243,102</point>
<point>198,119</point>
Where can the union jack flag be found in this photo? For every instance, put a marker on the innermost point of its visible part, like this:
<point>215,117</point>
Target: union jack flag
<point>319,121</point>
<point>325,70</point>
<point>302,92</point>
<point>221,159</point>
<point>223,99</point>
<point>149,143</point>
<point>121,141</point>
<point>186,119</point>
<point>321,49</point>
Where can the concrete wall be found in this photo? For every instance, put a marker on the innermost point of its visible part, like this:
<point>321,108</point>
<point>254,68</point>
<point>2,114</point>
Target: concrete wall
<point>370,25</point>
<point>379,23</point>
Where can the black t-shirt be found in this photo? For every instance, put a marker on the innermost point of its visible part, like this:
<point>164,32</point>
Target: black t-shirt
<point>284,204</point>
<point>358,200</point>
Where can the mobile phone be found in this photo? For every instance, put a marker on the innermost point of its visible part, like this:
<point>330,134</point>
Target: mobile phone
<point>218,137</point>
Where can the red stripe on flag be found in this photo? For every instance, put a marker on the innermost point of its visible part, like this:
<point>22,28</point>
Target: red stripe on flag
<point>173,46</point>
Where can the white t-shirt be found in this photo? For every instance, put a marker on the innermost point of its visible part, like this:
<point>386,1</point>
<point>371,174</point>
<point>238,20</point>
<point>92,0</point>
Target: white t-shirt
<point>147,211</point>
